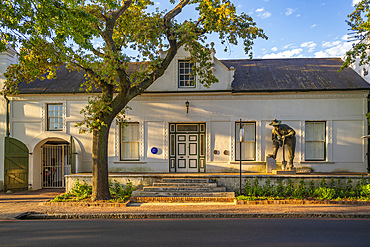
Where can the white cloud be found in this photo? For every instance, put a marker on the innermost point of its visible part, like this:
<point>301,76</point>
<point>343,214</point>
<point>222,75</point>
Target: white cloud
<point>289,11</point>
<point>298,15</point>
<point>239,6</point>
<point>345,37</point>
<point>336,48</point>
<point>310,44</point>
<point>287,46</point>
<point>354,2</point>
<point>274,48</point>
<point>158,3</point>
<point>285,54</point>
<point>330,44</point>
<point>314,25</point>
<point>262,13</point>
<point>265,15</point>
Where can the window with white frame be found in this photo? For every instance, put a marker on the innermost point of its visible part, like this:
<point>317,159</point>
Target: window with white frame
<point>186,79</point>
<point>248,145</point>
<point>55,116</point>
<point>315,141</point>
<point>129,141</point>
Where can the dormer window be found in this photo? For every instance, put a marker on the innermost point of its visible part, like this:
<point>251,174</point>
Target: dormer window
<point>186,79</point>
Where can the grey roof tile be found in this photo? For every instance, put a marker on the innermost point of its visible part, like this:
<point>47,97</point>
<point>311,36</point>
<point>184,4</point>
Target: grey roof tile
<point>293,74</point>
<point>257,75</point>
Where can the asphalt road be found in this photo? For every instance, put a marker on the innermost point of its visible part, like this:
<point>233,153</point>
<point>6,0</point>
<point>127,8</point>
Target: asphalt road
<point>187,232</point>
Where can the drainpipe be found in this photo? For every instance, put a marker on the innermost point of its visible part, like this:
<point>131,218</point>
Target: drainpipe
<point>7,116</point>
<point>368,132</point>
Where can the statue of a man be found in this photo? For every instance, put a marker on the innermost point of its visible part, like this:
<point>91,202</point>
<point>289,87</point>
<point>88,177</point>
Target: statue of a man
<point>282,132</point>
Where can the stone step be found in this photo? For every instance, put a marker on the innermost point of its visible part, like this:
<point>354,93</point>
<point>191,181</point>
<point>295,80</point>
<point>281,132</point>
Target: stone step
<point>185,180</point>
<point>184,189</point>
<point>181,199</point>
<point>140,193</point>
<point>185,184</point>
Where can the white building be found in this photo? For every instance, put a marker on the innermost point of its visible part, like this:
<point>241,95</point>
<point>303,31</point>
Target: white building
<point>177,126</point>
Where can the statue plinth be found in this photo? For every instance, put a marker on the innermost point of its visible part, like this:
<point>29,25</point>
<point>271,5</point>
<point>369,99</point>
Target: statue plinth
<point>286,172</point>
<point>270,164</point>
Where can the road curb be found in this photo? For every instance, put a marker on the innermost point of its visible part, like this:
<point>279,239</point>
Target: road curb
<point>297,201</point>
<point>86,204</point>
<point>39,216</point>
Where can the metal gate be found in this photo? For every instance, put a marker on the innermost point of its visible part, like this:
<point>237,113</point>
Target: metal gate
<point>15,165</point>
<point>56,164</point>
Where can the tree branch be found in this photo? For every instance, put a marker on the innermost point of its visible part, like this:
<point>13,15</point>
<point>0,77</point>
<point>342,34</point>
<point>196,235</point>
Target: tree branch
<point>97,53</point>
<point>110,22</point>
<point>167,19</point>
<point>116,14</point>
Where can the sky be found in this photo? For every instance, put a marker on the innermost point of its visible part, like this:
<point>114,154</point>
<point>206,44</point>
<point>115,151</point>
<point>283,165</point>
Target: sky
<point>295,28</point>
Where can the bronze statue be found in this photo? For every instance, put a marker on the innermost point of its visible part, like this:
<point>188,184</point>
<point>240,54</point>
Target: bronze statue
<point>282,135</point>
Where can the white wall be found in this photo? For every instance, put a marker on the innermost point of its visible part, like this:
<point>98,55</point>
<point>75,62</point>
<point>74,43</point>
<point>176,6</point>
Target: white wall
<point>343,112</point>
<point>6,58</point>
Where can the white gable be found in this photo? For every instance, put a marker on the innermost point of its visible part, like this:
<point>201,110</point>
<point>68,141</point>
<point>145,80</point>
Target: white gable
<point>169,80</point>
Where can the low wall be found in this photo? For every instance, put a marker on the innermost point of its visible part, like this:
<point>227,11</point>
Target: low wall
<point>231,181</point>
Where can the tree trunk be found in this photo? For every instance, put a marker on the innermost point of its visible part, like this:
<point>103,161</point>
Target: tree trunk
<point>100,188</point>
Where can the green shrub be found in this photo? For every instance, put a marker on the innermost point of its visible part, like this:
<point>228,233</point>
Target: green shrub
<point>81,191</point>
<point>289,188</point>
<point>62,197</point>
<point>268,189</point>
<point>300,192</point>
<point>121,192</point>
<point>332,183</point>
<point>311,189</point>
<point>323,183</point>
<point>247,187</point>
<point>365,191</point>
<point>279,190</point>
<point>324,193</point>
<point>349,192</point>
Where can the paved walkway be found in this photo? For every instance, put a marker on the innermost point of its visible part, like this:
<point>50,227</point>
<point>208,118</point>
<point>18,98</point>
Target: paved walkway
<point>12,205</point>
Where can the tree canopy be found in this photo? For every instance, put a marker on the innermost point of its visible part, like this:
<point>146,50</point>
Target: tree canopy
<point>359,22</point>
<point>94,36</point>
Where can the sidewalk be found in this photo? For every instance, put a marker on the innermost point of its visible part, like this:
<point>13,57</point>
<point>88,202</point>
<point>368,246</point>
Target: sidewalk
<point>12,205</point>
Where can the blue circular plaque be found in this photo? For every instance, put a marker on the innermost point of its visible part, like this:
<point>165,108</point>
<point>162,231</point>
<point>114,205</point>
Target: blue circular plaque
<point>154,150</point>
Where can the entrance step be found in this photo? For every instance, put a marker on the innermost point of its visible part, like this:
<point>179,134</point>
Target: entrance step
<point>185,184</point>
<point>182,194</point>
<point>182,199</point>
<point>183,190</point>
<point>185,180</point>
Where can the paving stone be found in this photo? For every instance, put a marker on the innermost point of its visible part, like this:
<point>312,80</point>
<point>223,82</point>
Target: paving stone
<point>17,203</point>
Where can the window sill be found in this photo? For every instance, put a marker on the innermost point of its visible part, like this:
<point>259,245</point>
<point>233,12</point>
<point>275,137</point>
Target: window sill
<point>247,162</point>
<point>129,161</point>
<point>316,162</point>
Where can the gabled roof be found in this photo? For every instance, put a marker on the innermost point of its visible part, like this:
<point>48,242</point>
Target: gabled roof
<point>257,75</point>
<point>66,82</point>
<point>293,74</point>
